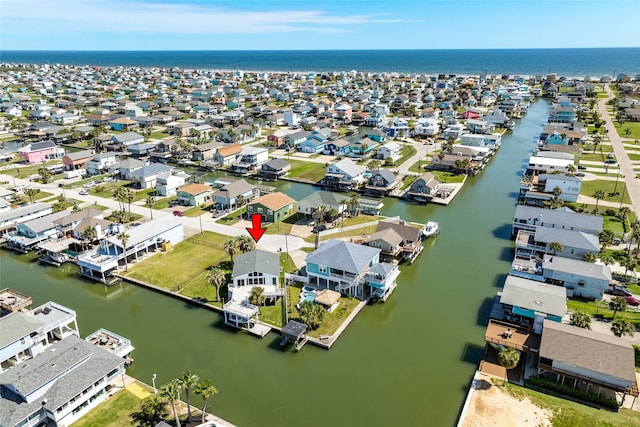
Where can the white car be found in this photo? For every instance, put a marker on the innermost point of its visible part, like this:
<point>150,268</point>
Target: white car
<point>83,192</point>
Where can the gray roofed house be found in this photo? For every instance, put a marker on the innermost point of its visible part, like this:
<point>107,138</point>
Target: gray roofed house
<point>30,233</point>
<point>24,213</point>
<point>397,240</point>
<point>575,243</point>
<point>256,260</point>
<point>531,217</point>
<point>310,204</point>
<point>127,138</point>
<point>15,326</point>
<point>274,168</point>
<point>382,181</point>
<point>581,278</point>
<point>529,298</point>
<point>600,359</point>
<point>227,195</point>
<point>423,188</point>
<point>54,379</point>
<point>146,176</point>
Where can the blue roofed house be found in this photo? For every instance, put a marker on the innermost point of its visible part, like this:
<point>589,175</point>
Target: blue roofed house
<point>343,267</point>
<point>559,139</point>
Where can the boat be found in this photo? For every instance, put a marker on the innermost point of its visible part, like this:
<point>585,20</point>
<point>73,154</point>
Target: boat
<point>430,229</point>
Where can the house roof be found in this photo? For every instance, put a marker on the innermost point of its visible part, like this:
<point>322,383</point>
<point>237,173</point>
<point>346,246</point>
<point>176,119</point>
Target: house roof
<point>44,223</point>
<point>69,366</point>
<point>17,325</point>
<point>561,217</point>
<point>256,260</point>
<point>147,230</point>
<point>406,232</point>
<point>37,146</point>
<point>19,212</point>
<point>195,189</point>
<point>150,170</point>
<point>77,216</point>
<point>576,267</point>
<point>126,137</point>
<point>273,201</point>
<point>235,188</point>
<point>317,198</point>
<point>589,350</point>
<point>229,150</point>
<point>349,167</point>
<point>536,296</point>
<point>79,155</point>
<point>568,238</point>
<point>345,256</point>
<point>276,164</point>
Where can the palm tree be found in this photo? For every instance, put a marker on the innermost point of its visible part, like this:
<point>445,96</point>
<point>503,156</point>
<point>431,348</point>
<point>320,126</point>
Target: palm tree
<point>89,233</point>
<point>124,238</point>
<point>581,319</point>
<point>256,297</point>
<point>170,392</point>
<point>607,259</point>
<point>622,327</point>
<point>320,213</point>
<point>629,263</point>
<point>128,195</point>
<point>618,304</point>
<point>623,212</point>
<point>231,246</point>
<point>31,193</point>
<point>606,238</point>
<point>216,277</point>
<point>118,194</point>
<point>240,201</point>
<point>205,390</point>
<point>354,204</point>
<point>152,410</point>
<point>189,382</point>
<point>508,358</point>
<point>598,195</point>
<point>589,257</point>
<point>245,243</point>
<point>556,247</point>
<point>150,202</point>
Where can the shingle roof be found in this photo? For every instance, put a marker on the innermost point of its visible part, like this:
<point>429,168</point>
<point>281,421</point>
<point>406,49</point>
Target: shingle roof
<point>15,326</point>
<point>327,198</point>
<point>344,256</point>
<point>273,201</point>
<point>407,232</point>
<point>568,238</point>
<point>256,260</point>
<point>229,150</point>
<point>195,189</point>
<point>349,167</point>
<point>78,155</point>
<point>589,350</point>
<point>533,295</point>
<point>579,268</point>
<point>563,217</point>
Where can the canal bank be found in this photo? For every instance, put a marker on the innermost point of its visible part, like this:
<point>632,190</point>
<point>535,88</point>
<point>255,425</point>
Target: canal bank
<point>406,362</point>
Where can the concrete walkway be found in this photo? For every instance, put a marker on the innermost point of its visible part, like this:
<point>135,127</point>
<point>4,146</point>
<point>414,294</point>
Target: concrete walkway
<point>626,166</point>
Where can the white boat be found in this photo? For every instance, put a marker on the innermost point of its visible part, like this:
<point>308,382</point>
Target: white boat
<point>430,229</point>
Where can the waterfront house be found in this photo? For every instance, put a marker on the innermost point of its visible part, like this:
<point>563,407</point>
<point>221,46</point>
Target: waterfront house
<point>344,175</point>
<point>100,163</point>
<point>67,223</point>
<point>549,162</point>
<point>382,182</point>
<point>120,141</point>
<point>167,183</point>
<point>274,207</point>
<point>463,158</point>
<point>11,218</point>
<point>423,188</point>
<point>341,266</point>
<point>370,206</point>
<point>255,268</point>
<point>194,195</point>
<point>29,233</point>
<point>228,154</point>
<point>390,150</point>
<point>148,237</point>
<point>375,134</point>
<point>536,244</point>
<point>146,176</point>
<point>250,159</point>
<point>452,132</point>
<point>205,151</point>
<point>396,240</point>
<point>479,126</point>
<point>274,168</point>
<point>581,278</point>
<point>381,279</point>
<point>538,189</point>
<point>38,152</point>
<point>126,167</point>
<point>227,196</point>
<point>492,141</point>
<point>76,159</point>
<point>531,217</point>
<point>309,206</point>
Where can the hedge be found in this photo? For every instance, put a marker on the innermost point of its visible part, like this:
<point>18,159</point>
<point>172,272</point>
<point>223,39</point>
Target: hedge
<point>587,396</point>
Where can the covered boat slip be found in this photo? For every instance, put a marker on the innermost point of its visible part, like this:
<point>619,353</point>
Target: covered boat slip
<point>294,332</point>
<point>244,316</point>
<point>55,252</point>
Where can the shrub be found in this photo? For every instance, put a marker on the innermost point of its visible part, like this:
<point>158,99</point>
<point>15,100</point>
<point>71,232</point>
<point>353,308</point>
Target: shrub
<point>610,212</point>
<point>564,389</point>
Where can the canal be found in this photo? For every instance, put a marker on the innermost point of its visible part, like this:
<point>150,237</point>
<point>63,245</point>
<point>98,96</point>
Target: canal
<point>406,362</point>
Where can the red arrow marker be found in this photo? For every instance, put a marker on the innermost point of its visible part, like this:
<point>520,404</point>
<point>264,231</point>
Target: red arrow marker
<point>255,231</point>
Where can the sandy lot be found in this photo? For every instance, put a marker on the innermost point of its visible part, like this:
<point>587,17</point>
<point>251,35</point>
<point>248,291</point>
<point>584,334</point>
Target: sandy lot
<point>490,406</point>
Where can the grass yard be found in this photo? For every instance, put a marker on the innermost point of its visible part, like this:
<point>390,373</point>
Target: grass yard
<point>167,270</point>
<point>600,309</point>
<point>418,167</point>
<point>634,128</point>
<point>307,171</point>
<point>282,227</point>
<point>407,180</point>
<point>332,321</point>
<point>233,217</point>
<point>113,412</point>
<point>448,177</point>
<point>406,152</point>
<point>163,203</point>
<point>367,230</point>
<point>567,413</point>
<point>272,314</point>
<point>195,211</point>
<point>590,187</point>
<point>633,156</point>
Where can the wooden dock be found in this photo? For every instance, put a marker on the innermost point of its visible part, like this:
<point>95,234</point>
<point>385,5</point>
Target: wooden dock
<point>259,330</point>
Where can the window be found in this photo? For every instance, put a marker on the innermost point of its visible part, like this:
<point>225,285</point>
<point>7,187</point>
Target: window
<point>322,268</point>
<point>250,208</point>
<point>270,212</point>
<point>260,210</point>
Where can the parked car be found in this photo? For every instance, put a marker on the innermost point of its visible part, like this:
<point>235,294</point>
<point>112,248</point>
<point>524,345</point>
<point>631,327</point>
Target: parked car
<point>580,174</point>
<point>618,291</point>
<point>582,168</point>
<point>318,228</point>
<point>83,192</point>
<point>633,301</point>
<point>178,213</point>
<point>173,203</point>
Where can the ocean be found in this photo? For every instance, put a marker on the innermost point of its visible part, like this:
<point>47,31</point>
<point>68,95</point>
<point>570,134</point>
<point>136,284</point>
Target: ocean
<point>592,62</point>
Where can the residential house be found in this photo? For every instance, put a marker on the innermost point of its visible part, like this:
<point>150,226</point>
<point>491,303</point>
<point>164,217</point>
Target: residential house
<point>315,143</point>
<point>497,118</point>
<point>250,159</point>
<point>473,159</point>
<point>397,241</point>
<point>13,217</point>
<point>122,124</point>
<point>123,140</point>
<point>255,268</point>
<point>204,152</point>
<point>77,159</point>
<point>426,126</point>
<point>337,147</point>
<point>382,182</point>
<point>101,163</point>
<point>341,266</point>
<point>309,206</point>
<point>362,147</point>
<point>569,354</point>
<point>277,138</point>
<point>126,167</point>
<point>146,176</point>
<point>274,168</point>
<point>390,150</point>
<point>194,195</point>
<point>167,183</point>
<point>293,140</point>
<point>536,244</point>
<point>227,196</point>
<point>479,126</point>
<point>396,127</point>
<point>228,154</point>
<point>481,140</point>
<point>381,279</point>
<point>274,207</point>
<point>559,139</point>
<point>344,175</point>
<point>38,152</point>
<point>423,188</point>
<point>530,218</point>
<point>376,116</point>
<point>452,132</point>
<point>375,134</point>
<point>29,233</point>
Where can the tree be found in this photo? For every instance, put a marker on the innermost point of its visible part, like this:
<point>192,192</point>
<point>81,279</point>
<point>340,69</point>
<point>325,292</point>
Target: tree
<point>607,259</point>
<point>571,169</point>
<point>508,358</point>
<point>581,319</point>
<point>124,238</point>
<point>320,213</point>
<point>629,263</point>
<point>556,247</point>
<point>152,410</point>
<point>45,175</point>
<point>231,246</point>
<point>216,277</point>
<point>353,204</point>
<point>623,212</point>
<point>128,195</point>
<point>31,193</point>
<point>89,233</point>
<point>205,390</point>
<point>622,327</point>
<point>589,257</point>
<point>311,314</point>
<point>150,201</point>
<point>618,304</point>
<point>240,201</point>
<point>598,195</point>
<point>189,382</point>
<point>256,296</point>
<point>170,392</point>
<point>245,243</point>
<point>606,238</point>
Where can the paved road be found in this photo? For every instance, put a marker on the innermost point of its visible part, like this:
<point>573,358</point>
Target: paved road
<point>626,166</point>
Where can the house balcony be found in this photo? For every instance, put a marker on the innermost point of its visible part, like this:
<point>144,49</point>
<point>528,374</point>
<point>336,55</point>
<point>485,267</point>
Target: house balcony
<point>98,261</point>
<point>512,336</point>
<point>343,276</point>
<point>526,240</point>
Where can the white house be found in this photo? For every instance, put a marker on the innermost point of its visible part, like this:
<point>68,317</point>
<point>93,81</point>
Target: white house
<point>291,118</point>
<point>570,185</point>
<point>100,163</point>
<point>426,126</point>
<point>255,268</point>
<point>167,183</point>
<point>390,150</point>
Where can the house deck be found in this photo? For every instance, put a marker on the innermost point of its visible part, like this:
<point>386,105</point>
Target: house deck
<point>510,335</point>
<point>259,329</point>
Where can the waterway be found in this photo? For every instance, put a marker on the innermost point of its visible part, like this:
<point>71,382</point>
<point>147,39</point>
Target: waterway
<point>406,362</point>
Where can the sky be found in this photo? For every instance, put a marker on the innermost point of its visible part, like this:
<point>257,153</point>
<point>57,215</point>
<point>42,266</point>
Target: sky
<point>313,25</point>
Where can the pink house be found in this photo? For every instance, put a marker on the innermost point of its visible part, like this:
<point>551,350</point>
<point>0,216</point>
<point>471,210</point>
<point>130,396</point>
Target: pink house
<point>41,152</point>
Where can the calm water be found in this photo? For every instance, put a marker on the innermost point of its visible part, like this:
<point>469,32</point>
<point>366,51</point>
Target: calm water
<point>567,62</point>
<point>407,362</point>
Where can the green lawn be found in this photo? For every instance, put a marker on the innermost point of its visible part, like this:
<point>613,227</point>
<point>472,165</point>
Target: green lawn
<point>567,413</point>
<point>282,227</point>
<point>233,217</point>
<point>406,152</point>
<point>113,412</point>
<point>407,180</point>
<point>169,270</point>
<point>633,156</point>
<point>418,167</point>
<point>163,203</point>
<point>634,127</point>
<point>332,321</point>
<point>448,177</point>
<point>590,187</point>
<point>159,134</point>
<point>272,314</point>
<point>600,309</point>
<point>307,171</point>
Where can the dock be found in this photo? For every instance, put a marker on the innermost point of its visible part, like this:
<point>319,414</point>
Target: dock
<point>259,329</point>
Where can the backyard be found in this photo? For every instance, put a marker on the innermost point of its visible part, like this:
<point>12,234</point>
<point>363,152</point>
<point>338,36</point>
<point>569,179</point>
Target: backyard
<point>114,412</point>
<point>306,171</point>
<point>613,191</point>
